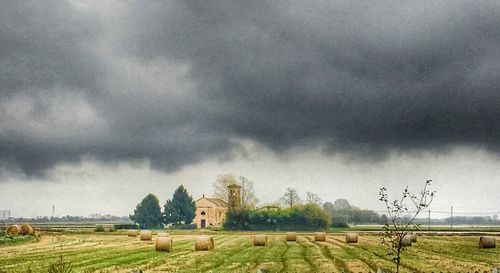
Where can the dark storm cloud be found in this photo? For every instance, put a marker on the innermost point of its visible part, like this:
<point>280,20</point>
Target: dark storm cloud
<point>381,75</point>
<point>45,44</point>
<point>177,82</point>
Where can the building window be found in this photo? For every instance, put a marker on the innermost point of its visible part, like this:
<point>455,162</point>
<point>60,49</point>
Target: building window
<point>220,214</point>
<point>202,213</point>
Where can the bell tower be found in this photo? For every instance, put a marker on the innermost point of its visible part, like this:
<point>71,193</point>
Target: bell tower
<point>234,198</point>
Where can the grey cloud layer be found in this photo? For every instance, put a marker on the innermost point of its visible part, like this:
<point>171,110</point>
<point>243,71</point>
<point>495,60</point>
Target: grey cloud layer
<point>178,82</point>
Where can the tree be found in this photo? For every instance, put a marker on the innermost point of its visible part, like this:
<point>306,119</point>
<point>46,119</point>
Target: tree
<point>341,204</point>
<point>181,209</point>
<point>248,199</point>
<point>401,219</point>
<point>313,199</point>
<point>384,218</point>
<point>220,186</point>
<point>290,198</point>
<point>328,207</point>
<point>148,213</point>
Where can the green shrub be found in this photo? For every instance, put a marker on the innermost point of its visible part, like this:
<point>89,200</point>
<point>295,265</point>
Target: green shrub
<point>99,228</point>
<point>308,217</point>
<point>340,224</point>
<point>125,226</point>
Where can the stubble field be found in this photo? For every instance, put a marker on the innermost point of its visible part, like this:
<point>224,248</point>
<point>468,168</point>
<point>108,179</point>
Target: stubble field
<point>234,252</point>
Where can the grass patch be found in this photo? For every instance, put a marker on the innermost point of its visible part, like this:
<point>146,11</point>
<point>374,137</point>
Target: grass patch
<point>17,240</point>
<point>234,252</point>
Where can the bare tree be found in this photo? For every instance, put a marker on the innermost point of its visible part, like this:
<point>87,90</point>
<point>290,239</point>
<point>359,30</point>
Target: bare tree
<point>220,185</point>
<point>313,199</point>
<point>290,198</point>
<point>341,204</point>
<point>248,199</point>
<point>401,219</point>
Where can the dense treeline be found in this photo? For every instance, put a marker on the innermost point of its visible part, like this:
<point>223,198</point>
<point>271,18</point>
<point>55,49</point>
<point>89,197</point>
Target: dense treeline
<point>343,217</point>
<point>473,220</point>
<point>179,210</point>
<point>301,217</point>
<point>343,214</point>
<point>69,218</point>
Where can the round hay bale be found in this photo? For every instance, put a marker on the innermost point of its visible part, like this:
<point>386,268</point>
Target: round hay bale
<point>13,230</point>
<point>163,234</point>
<point>351,238</point>
<point>259,240</point>
<point>291,236</point>
<point>413,237</point>
<point>27,230</point>
<point>146,235</point>
<point>406,241</point>
<point>319,236</point>
<point>132,233</point>
<point>204,244</point>
<point>487,242</point>
<point>163,244</point>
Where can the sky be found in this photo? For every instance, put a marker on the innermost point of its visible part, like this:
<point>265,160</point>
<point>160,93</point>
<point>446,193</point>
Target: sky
<point>103,102</point>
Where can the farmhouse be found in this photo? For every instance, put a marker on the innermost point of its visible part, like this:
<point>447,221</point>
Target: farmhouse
<point>211,212</point>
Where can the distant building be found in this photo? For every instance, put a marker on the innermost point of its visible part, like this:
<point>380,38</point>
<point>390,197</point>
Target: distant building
<point>210,212</point>
<point>234,197</point>
<point>5,214</point>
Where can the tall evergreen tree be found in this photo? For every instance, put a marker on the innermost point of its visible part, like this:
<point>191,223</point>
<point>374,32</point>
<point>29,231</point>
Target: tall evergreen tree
<point>148,213</point>
<point>181,208</point>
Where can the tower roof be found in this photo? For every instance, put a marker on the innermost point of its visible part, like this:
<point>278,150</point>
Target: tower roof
<point>234,186</point>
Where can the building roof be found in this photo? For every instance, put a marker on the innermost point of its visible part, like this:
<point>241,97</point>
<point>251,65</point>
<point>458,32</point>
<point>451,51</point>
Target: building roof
<point>219,202</point>
<point>216,201</point>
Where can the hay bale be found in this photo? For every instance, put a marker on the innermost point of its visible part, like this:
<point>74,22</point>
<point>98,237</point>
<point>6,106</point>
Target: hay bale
<point>33,229</point>
<point>204,243</point>
<point>406,241</point>
<point>163,234</point>
<point>27,230</point>
<point>132,233</point>
<point>319,236</point>
<point>163,244</point>
<point>351,238</point>
<point>291,236</point>
<point>487,242</point>
<point>146,235</point>
<point>413,237</point>
<point>13,230</point>
<point>259,240</point>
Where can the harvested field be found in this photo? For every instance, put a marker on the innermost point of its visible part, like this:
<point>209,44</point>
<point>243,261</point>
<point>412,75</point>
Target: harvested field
<point>235,252</point>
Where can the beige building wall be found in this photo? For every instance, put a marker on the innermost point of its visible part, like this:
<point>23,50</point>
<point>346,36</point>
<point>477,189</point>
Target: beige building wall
<point>210,213</point>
